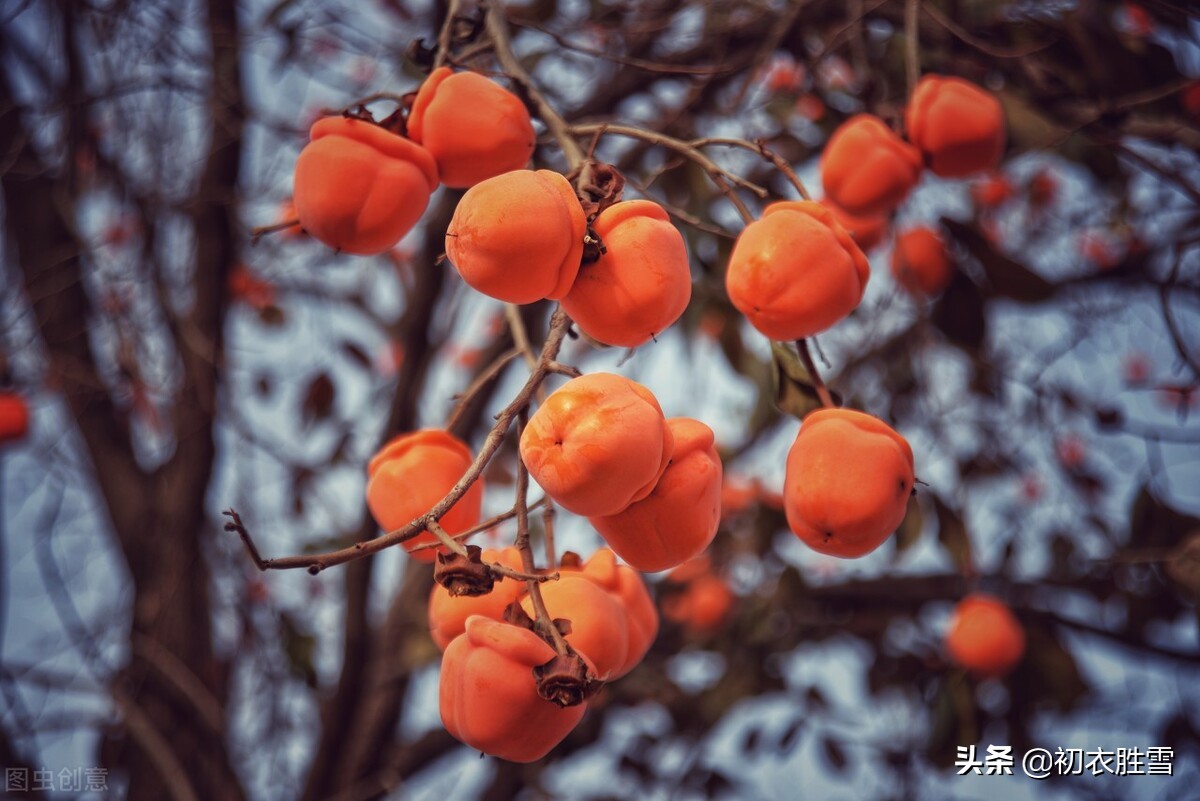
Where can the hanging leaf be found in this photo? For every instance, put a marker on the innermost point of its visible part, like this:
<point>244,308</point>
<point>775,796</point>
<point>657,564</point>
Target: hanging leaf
<point>910,528</point>
<point>318,399</point>
<point>1006,277</point>
<point>795,392</point>
<point>952,536</point>
<point>355,353</point>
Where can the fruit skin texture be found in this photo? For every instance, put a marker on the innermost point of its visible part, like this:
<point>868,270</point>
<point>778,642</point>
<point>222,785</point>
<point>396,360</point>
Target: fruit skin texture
<point>957,126</point>
<point>679,518</point>
<point>414,471</point>
<point>448,614</point>
<point>641,285</point>
<point>488,697</point>
<point>920,262</point>
<point>518,237</point>
<point>868,231</point>
<point>474,128</point>
<point>847,483</point>
<point>866,168</point>
<point>613,619</point>
<point>359,188</point>
<point>14,417</point>
<point>796,271</point>
<point>598,444</point>
<point>984,637</point>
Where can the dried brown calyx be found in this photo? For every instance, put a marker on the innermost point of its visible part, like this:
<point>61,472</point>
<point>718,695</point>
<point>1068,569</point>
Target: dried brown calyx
<point>464,574</point>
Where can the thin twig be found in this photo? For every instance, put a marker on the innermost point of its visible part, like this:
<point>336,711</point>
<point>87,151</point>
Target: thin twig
<point>759,146</point>
<point>478,527</point>
<point>445,34</point>
<point>818,382</point>
<point>497,28</point>
<point>315,563</point>
<point>912,59</point>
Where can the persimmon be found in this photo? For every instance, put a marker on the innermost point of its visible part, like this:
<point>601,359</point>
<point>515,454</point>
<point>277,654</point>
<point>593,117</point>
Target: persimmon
<point>679,518</point>
<point>796,271</point>
<point>598,444</point>
<point>14,417</point>
<point>920,262</point>
<point>847,483</point>
<point>247,287</point>
<point>488,697</point>
<point>984,637</point>
<point>627,586</point>
<point>866,168</point>
<point>410,474</point>
<point>868,231</point>
<point>957,126</point>
<point>991,191</point>
<point>360,188</point>
<point>448,613</point>
<point>474,128</point>
<point>287,213</point>
<point>518,237</point>
<point>642,282</point>
<point>599,627</point>
<point>703,602</point>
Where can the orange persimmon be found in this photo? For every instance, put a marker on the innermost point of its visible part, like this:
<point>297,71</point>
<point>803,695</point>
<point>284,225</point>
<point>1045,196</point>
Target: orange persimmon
<point>599,627</point>
<point>866,168</point>
<point>640,285</point>
<point>488,696</point>
<point>957,126</point>
<point>598,444</point>
<point>627,586</point>
<point>410,474</point>
<point>868,231</point>
<point>14,417</point>
<point>847,482</point>
<point>984,637</point>
<point>704,601</point>
<point>796,271</point>
<point>518,237</point>
<point>360,188</point>
<point>679,518</point>
<point>991,191</point>
<point>448,613</point>
<point>474,128</point>
<point>920,262</point>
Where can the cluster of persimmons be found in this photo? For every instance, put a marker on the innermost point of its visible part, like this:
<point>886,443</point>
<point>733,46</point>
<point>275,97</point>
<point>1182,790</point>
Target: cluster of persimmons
<point>600,446</point>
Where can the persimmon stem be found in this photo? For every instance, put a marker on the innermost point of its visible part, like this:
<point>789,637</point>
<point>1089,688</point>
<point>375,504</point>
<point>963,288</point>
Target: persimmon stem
<point>548,528</point>
<point>315,563</point>
<point>912,60</point>
<point>497,28</point>
<point>759,146</point>
<point>262,230</point>
<point>444,538</point>
<point>818,383</point>
<point>446,34</point>
<point>541,615</point>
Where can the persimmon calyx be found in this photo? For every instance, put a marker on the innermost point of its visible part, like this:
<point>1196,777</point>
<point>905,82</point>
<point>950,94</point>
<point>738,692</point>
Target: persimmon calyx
<point>564,680</point>
<point>464,574</point>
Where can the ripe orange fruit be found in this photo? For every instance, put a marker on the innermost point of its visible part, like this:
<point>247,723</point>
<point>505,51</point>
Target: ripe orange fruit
<point>627,586</point>
<point>867,231</point>
<point>488,698</point>
<point>599,629</point>
<point>518,237</point>
<point>360,188</point>
<point>991,191</point>
<point>866,168</point>
<point>411,474</point>
<point>448,614</point>
<point>705,600</point>
<point>957,126</point>
<point>847,483</point>
<point>920,262</point>
<point>642,283</point>
<point>984,637</point>
<point>14,417</point>
<point>474,128</point>
<point>679,518</point>
<point>796,271</point>
<point>598,444</point>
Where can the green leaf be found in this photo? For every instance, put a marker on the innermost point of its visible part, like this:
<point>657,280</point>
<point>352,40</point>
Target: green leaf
<point>910,528</point>
<point>795,392</point>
